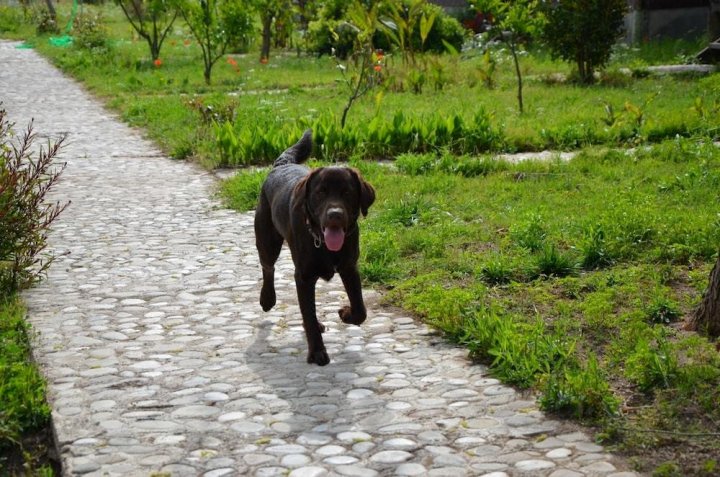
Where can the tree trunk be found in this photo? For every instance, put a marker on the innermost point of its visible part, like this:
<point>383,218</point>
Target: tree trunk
<point>518,75</point>
<point>706,319</point>
<point>51,9</point>
<point>266,37</point>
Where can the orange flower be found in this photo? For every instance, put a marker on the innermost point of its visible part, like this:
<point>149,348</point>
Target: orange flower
<point>157,63</point>
<point>378,68</point>
<point>186,42</point>
<point>232,61</point>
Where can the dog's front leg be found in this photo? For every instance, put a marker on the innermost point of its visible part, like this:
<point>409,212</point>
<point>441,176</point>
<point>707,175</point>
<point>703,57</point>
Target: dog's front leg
<point>313,329</point>
<point>354,314</point>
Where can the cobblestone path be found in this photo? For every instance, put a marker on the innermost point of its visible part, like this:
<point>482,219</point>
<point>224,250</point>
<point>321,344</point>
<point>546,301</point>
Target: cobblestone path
<point>160,361</point>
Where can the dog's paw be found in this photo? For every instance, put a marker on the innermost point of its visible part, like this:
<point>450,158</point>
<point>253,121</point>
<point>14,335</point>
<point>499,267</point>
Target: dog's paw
<point>267,298</point>
<point>319,357</point>
<point>346,315</point>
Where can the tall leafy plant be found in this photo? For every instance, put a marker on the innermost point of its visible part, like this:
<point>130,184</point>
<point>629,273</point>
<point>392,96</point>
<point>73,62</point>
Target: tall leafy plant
<point>405,18</point>
<point>151,19</point>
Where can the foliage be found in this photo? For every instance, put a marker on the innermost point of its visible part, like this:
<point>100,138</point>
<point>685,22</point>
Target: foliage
<point>10,19</point>
<point>515,23</point>
<point>151,19</point>
<point>25,217</point>
<point>330,32</point>
<point>581,392</point>
<point>89,31</point>
<point>272,13</point>
<point>213,23</point>
<point>363,70</point>
<point>583,31</point>
<point>23,408</point>
<point>261,143</point>
<point>242,191</point>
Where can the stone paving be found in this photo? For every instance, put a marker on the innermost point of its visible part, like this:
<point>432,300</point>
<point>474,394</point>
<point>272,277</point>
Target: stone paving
<point>160,361</point>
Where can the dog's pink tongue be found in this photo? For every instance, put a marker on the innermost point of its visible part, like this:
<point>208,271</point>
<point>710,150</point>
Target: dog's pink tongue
<point>334,238</point>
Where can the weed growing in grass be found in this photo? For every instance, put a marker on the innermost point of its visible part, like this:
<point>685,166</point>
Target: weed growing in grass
<point>582,392</point>
<point>662,309</point>
<point>552,262</point>
<point>653,363</point>
<point>530,233</point>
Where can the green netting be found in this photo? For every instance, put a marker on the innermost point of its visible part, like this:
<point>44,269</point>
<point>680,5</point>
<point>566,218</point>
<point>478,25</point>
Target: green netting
<point>66,39</point>
<point>25,46</point>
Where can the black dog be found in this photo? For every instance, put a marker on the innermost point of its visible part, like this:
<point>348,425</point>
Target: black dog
<point>316,212</point>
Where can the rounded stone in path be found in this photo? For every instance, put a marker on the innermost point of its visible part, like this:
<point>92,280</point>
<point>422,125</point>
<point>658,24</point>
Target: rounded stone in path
<point>391,457</point>
<point>355,471</point>
<point>308,472</point>
<point>534,465</point>
<point>410,469</point>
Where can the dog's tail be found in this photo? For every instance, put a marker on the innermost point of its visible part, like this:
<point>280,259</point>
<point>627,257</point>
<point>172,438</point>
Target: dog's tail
<point>298,153</point>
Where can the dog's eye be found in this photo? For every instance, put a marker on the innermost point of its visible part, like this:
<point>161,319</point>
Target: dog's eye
<point>321,191</point>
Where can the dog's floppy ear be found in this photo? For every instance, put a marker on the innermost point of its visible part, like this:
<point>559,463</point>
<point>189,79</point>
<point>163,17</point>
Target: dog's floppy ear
<point>367,192</point>
<point>301,191</point>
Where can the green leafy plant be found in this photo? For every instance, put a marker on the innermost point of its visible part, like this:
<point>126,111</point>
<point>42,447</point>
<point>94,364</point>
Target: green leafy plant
<point>653,362</point>
<point>582,392</point>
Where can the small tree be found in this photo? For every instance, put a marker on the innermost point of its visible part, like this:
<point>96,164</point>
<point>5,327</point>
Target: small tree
<point>213,23</point>
<point>362,70</point>
<point>270,11</point>
<point>706,319</point>
<point>515,23</point>
<point>151,19</point>
<point>583,31</point>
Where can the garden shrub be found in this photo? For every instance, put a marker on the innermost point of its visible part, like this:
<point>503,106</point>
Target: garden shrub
<point>89,32</point>
<point>331,32</point>
<point>10,19</point>
<point>583,31</point>
<point>25,217</point>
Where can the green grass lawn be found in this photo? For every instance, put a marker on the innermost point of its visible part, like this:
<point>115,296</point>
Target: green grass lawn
<point>573,278</point>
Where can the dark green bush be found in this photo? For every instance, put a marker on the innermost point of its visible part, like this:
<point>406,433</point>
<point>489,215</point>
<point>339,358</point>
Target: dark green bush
<point>584,32</point>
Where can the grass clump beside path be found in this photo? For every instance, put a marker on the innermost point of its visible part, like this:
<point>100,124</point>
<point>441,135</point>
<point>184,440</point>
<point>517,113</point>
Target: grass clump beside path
<point>24,413</point>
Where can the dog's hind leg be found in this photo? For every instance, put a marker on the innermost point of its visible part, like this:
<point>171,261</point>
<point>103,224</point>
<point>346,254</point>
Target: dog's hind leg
<point>269,243</point>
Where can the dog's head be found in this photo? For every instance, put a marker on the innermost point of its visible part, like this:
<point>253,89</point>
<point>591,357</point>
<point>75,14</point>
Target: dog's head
<point>334,198</point>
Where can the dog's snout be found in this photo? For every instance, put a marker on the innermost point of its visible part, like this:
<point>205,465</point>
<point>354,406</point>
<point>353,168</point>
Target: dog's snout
<point>335,213</point>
